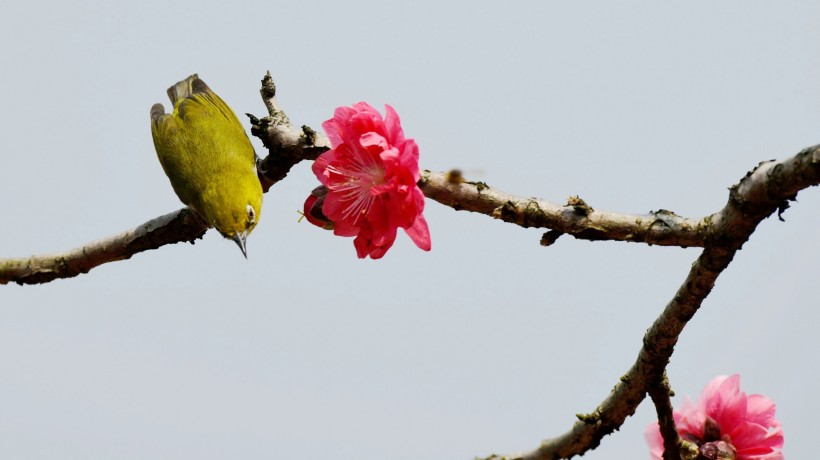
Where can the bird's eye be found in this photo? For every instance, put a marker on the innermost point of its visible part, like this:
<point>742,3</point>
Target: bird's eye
<point>251,215</point>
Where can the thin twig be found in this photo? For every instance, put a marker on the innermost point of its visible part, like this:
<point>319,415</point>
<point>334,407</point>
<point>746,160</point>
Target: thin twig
<point>286,145</point>
<point>660,393</point>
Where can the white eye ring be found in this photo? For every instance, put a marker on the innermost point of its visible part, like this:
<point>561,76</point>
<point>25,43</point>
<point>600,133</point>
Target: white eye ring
<point>251,214</point>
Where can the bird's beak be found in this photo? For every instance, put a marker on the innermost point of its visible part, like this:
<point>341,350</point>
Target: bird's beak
<point>240,239</point>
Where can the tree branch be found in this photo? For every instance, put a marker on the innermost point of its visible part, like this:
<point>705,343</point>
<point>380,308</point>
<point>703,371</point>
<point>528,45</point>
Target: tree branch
<point>576,218</point>
<point>176,227</point>
<point>765,190</point>
<point>660,394</point>
<point>286,145</point>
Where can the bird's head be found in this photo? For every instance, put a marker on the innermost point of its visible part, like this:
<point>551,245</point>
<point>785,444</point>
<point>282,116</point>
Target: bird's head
<point>236,219</point>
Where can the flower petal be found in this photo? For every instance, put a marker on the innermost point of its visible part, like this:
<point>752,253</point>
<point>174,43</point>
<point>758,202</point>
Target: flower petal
<point>419,233</point>
<point>653,437</point>
<point>760,409</point>
<point>392,125</point>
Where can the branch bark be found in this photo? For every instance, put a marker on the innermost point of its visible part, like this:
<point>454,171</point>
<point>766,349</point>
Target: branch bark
<point>576,218</point>
<point>176,227</point>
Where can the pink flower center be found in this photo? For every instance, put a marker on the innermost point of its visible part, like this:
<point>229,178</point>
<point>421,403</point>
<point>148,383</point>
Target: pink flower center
<point>714,446</point>
<point>355,180</point>
<point>717,450</point>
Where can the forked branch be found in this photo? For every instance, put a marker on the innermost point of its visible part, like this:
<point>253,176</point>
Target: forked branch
<point>762,192</point>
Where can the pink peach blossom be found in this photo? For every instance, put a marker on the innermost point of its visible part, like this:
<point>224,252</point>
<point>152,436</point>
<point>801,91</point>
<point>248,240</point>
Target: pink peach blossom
<point>725,423</point>
<point>371,176</point>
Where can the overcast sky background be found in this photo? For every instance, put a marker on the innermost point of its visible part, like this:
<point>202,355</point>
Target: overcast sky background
<point>487,344</point>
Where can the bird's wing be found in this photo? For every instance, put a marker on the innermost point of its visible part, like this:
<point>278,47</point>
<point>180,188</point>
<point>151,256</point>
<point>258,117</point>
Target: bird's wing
<point>173,153</point>
<point>195,103</point>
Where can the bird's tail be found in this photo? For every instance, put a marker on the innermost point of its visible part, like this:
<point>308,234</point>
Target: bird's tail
<point>185,88</point>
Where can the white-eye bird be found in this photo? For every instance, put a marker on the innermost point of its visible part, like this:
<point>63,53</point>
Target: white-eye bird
<point>209,159</point>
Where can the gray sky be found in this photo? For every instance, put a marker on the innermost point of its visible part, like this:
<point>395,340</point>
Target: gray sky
<point>489,343</point>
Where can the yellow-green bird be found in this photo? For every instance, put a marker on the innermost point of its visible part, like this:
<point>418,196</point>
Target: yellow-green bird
<point>209,159</point>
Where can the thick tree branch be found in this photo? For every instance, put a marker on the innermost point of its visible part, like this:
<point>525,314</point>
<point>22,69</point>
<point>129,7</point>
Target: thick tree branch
<point>629,392</point>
